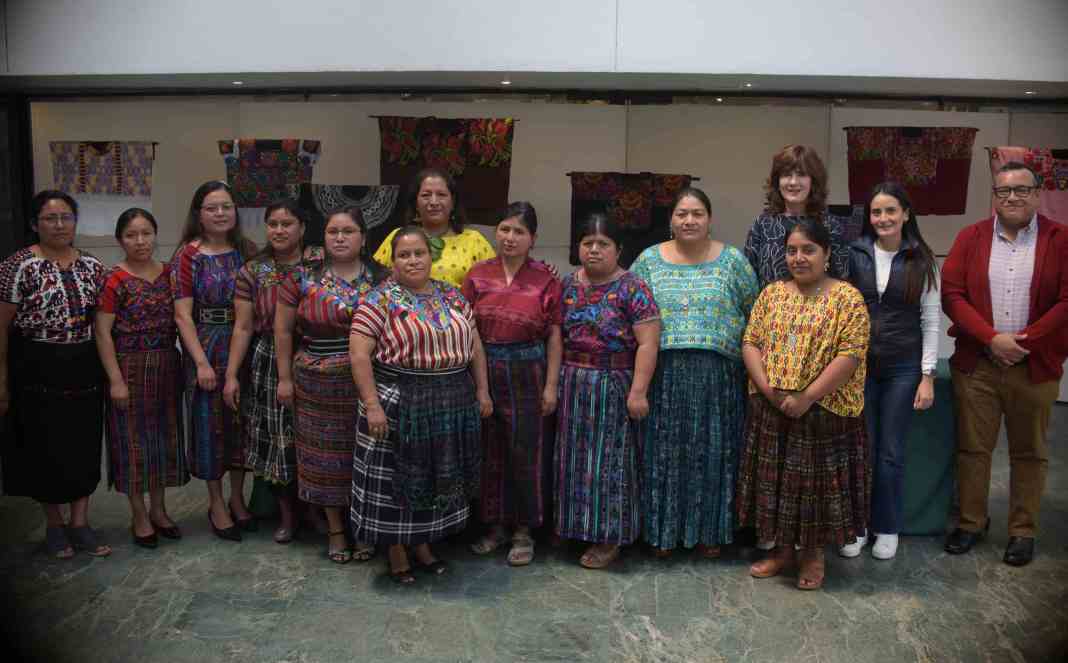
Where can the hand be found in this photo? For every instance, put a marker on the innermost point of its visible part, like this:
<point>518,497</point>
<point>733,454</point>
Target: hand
<point>206,377</point>
<point>924,393</point>
<point>775,397</point>
<point>1006,350</point>
<point>795,405</point>
<point>5,400</point>
<point>232,393</point>
<point>548,401</point>
<point>285,392</point>
<point>120,395</point>
<point>485,404</point>
<point>637,406</point>
<point>377,424</point>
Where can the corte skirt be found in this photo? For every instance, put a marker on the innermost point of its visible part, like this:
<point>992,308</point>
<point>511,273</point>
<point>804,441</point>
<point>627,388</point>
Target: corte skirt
<point>267,426</point>
<point>690,447</point>
<point>415,485</point>
<point>214,443</point>
<point>513,437</point>
<point>57,412</point>
<point>145,440</point>
<point>325,425</point>
<point>596,458</point>
<point>804,481</point>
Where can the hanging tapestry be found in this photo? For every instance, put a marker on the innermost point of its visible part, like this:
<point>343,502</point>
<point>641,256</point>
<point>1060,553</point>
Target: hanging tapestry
<point>378,204</point>
<point>638,203</point>
<point>476,152</point>
<point>259,171</point>
<point>111,168</point>
<point>1050,164</point>
<point>105,177</point>
<point>932,163</point>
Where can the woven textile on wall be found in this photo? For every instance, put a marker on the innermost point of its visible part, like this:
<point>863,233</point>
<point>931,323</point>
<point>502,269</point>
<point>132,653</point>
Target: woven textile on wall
<point>378,204</point>
<point>105,177</point>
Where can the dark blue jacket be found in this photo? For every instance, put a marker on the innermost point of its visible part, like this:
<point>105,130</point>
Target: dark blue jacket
<point>895,325</point>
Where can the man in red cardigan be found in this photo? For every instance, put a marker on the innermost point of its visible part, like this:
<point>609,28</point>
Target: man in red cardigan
<point>1005,288</point>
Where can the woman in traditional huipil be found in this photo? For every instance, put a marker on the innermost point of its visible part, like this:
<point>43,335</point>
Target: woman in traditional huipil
<point>421,372</point>
<point>434,204</point>
<point>266,424</point>
<point>48,294</point>
<point>611,330</point>
<point>318,302</point>
<point>203,272</point>
<point>804,478</point>
<point>135,335</point>
<point>517,309</point>
<point>704,289</point>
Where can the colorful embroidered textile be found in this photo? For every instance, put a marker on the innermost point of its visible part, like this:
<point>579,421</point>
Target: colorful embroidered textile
<point>477,152</point>
<point>53,305</point>
<point>111,167</point>
<point>932,163</point>
<point>1051,166</point>
<point>144,311</point>
<point>259,282</point>
<point>599,319</point>
<point>378,204</point>
<point>639,203</point>
<point>261,171</point>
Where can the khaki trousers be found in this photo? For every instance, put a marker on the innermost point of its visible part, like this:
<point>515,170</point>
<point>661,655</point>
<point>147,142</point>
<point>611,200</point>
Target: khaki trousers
<point>982,399</point>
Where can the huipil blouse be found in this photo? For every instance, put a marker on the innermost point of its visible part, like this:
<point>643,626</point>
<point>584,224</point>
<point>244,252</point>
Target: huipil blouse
<point>53,305</point>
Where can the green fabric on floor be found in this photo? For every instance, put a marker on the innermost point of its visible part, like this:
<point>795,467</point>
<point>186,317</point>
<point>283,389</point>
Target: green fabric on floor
<point>931,462</point>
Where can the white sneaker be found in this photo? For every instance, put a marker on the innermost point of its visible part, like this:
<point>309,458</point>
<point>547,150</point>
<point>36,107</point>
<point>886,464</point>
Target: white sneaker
<point>885,546</point>
<point>853,549</point>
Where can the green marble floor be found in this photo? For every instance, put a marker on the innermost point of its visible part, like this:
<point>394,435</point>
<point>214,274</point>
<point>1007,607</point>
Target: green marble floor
<point>202,599</point>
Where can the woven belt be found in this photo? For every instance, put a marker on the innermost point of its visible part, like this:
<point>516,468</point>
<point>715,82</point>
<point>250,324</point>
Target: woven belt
<point>396,371</point>
<point>532,351</point>
<point>606,360</point>
<point>215,315</point>
<point>327,347</point>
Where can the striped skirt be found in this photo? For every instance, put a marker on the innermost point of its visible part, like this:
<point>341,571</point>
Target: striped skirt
<point>145,439</point>
<point>803,481</point>
<point>512,438</point>
<point>596,457</point>
<point>214,443</point>
<point>415,486</point>
<point>267,426</point>
<point>325,425</point>
<point>690,445</point>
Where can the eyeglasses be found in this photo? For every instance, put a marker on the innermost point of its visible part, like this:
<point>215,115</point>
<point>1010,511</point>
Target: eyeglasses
<point>58,219</point>
<point>215,209</point>
<point>1020,191</point>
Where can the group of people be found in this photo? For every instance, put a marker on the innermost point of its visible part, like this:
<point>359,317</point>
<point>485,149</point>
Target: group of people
<point>703,391</point>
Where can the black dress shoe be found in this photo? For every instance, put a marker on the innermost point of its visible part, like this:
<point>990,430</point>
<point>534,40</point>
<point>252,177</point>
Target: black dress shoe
<point>962,541</point>
<point>231,533</point>
<point>249,524</point>
<point>150,541</point>
<point>1020,551</point>
<point>171,532</point>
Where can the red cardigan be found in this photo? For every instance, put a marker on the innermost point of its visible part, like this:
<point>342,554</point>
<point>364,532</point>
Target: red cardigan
<point>966,298</point>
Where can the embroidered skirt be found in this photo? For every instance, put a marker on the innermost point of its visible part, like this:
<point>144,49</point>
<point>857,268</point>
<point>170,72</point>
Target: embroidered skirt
<point>596,457</point>
<point>214,444</point>
<point>57,412</point>
<point>803,481</point>
<point>690,443</point>
<point>145,440</point>
<point>266,426</point>
<point>415,485</point>
<point>512,439</point>
<point>325,425</point>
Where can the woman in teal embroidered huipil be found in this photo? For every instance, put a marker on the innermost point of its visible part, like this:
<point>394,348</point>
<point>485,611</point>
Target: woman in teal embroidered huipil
<point>704,289</point>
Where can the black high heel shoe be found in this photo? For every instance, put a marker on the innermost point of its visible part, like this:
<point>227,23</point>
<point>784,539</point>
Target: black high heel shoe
<point>231,533</point>
<point>150,541</point>
<point>171,532</point>
<point>249,524</point>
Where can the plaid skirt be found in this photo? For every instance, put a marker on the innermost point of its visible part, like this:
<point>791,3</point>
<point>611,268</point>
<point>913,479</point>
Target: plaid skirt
<point>325,426</point>
<point>144,441</point>
<point>512,438</point>
<point>803,481</point>
<point>415,485</point>
<point>691,441</point>
<point>266,425</point>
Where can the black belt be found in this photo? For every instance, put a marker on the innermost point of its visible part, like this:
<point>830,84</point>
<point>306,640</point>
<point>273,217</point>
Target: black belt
<point>327,347</point>
<point>215,315</point>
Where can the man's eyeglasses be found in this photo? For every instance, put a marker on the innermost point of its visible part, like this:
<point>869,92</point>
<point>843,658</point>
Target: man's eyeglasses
<point>1020,191</point>
<point>58,219</point>
<point>215,209</point>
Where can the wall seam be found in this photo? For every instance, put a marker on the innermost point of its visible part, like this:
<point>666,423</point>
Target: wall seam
<point>615,51</point>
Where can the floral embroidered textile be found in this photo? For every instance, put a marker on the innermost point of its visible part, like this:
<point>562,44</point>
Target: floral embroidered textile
<point>111,168</point>
<point>262,171</point>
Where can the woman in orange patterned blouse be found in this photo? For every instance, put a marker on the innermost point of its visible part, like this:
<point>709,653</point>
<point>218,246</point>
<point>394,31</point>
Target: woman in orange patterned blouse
<point>804,479</point>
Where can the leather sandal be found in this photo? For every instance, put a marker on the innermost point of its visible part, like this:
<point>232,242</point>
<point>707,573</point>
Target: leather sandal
<point>522,552</point>
<point>342,555</point>
<point>780,559</point>
<point>596,559</point>
<point>402,577</point>
<point>363,552</point>
<point>489,543</point>
<point>813,570</point>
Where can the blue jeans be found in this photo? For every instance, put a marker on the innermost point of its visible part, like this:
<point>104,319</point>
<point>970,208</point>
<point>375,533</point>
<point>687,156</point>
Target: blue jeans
<point>889,392</point>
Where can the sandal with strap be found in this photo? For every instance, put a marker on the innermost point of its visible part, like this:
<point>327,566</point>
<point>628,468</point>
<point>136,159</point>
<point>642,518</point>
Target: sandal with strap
<point>364,552</point>
<point>341,556</point>
<point>57,544</point>
<point>522,552</point>
<point>489,543</point>
<point>402,577</point>
<point>780,559</point>
<point>813,570</point>
<point>596,559</point>
<point>84,538</point>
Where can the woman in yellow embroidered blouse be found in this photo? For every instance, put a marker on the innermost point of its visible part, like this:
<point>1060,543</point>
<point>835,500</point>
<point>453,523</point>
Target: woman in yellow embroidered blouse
<point>434,203</point>
<point>804,478</point>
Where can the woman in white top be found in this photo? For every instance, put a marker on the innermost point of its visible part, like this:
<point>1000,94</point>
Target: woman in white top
<point>896,272</point>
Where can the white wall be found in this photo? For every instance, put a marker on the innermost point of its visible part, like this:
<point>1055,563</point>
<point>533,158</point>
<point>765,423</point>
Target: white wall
<point>947,39</point>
